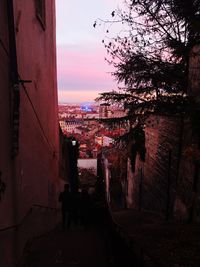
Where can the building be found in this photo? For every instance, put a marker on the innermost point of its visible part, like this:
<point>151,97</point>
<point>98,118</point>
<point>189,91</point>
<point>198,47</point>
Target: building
<point>29,136</point>
<point>107,140</point>
<point>103,110</point>
<point>91,115</point>
<point>99,140</point>
<point>118,113</point>
<point>63,124</point>
<point>71,124</point>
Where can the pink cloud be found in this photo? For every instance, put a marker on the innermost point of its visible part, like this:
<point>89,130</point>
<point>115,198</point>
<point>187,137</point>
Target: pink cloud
<point>80,67</point>
<point>72,96</point>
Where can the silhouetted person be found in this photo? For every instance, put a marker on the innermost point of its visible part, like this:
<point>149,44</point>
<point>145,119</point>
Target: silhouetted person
<point>77,211</point>
<point>66,199</point>
<point>85,208</point>
<point>74,208</point>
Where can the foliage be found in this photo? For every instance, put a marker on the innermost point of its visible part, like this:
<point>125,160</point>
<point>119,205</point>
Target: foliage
<point>151,54</point>
<point>87,176</point>
<point>117,156</point>
<point>137,146</point>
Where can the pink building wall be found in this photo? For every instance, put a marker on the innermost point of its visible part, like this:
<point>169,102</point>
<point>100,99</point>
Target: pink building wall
<point>32,176</point>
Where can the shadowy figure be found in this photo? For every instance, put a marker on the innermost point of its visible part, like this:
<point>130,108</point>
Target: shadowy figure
<point>66,206</point>
<point>74,208</point>
<point>85,208</point>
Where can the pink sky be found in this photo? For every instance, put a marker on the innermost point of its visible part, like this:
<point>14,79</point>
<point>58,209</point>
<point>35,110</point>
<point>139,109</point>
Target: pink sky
<point>82,70</point>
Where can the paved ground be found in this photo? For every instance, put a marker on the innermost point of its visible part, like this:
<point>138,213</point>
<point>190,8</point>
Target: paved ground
<point>37,221</point>
<point>76,247</point>
<point>167,244</point>
<point>140,236</point>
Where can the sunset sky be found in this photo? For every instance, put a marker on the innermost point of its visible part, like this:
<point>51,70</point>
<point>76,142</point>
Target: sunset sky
<point>82,70</point>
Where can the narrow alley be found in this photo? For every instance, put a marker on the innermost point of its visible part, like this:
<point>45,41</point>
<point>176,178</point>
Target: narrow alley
<point>99,133</point>
<point>130,238</point>
<point>76,247</point>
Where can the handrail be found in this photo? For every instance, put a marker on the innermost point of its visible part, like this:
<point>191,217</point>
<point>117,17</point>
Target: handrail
<point>15,226</point>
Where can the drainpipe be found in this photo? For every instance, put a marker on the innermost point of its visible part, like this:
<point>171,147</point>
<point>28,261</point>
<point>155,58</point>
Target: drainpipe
<point>14,78</point>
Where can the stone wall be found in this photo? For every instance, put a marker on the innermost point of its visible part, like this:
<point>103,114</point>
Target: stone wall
<point>168,182</point>
<point>187,205</point>
<point>30,176</point>
<point>154,181</point>
<point>194,73</point>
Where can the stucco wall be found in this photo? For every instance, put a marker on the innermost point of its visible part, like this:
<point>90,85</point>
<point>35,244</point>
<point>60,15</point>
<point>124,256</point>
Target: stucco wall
<point>32,177</point>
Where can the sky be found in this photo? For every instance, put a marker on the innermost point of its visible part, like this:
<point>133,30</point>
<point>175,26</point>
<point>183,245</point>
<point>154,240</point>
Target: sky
<point>82,70</point>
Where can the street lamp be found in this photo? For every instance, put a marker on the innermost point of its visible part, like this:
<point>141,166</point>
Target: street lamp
<point>73,142</point>
<point>73,158</point>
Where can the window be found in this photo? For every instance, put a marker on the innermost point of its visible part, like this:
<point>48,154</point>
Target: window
<point>40,12</point>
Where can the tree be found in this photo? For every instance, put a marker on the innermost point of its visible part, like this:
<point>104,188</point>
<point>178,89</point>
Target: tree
<point>151,55</point>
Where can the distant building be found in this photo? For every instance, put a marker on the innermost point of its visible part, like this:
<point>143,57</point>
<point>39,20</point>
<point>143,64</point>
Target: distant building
<point>99,140</point>
<point>91,115</point>
<point>71,124</point>
<point>82,131</point>
<point>107,140</point>
<point>104,140</point>
<point>118,113</point>
<point>63,124</point>
<point>103,111</point>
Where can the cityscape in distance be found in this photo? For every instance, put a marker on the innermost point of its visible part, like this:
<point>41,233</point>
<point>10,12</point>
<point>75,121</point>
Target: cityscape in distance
<point>85,123</point>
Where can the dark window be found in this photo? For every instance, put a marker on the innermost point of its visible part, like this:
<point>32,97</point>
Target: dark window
<point>40,12</point>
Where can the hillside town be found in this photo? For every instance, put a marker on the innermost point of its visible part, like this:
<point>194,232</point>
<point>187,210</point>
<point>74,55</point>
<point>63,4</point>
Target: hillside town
<point>86,123</point>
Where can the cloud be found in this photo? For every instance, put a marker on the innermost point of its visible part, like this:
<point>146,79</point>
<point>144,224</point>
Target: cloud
<point>81,66</point>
